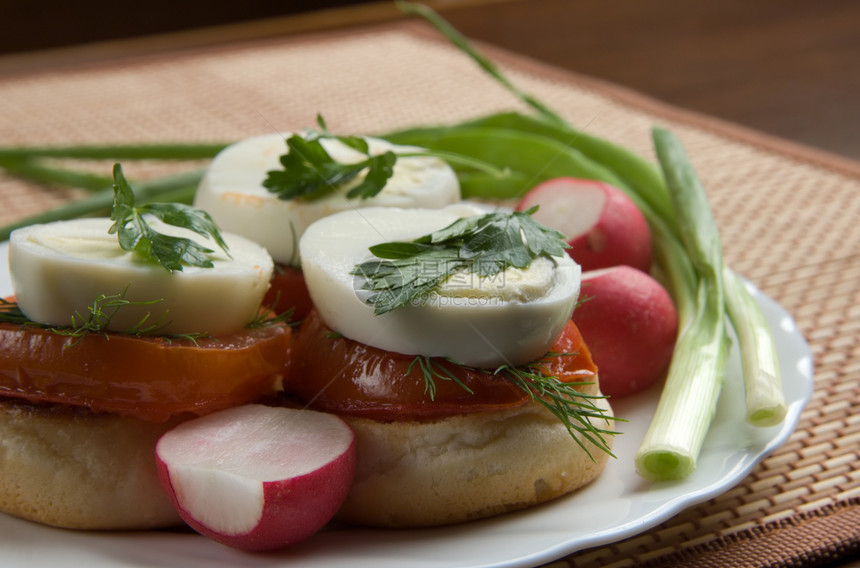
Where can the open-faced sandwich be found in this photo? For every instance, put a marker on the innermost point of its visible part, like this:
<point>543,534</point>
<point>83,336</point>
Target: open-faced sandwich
<point>119,330</point>
<point>443,337</point>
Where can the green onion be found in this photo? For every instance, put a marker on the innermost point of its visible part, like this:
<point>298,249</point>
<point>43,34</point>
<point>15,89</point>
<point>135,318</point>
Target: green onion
<point>765,400</point>
<point>29,169</point>
<point>180,187</point>
<point>528,158</point>
<point>176,151</point>
<point>688,250</point>
<point>463,44</point>
<point>638,177</point>
<point>695,377</point>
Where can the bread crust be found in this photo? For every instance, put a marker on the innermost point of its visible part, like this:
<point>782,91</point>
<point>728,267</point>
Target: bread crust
<point>72,468</point>
<point>461,468</point>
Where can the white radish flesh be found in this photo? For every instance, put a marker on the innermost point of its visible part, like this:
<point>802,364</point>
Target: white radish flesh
<point>602,224</point>
<point>256,477</point>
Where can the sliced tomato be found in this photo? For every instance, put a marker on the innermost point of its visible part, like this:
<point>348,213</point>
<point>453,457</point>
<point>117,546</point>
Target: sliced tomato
<point>148,377</point>
<point>288,291</point>
<point>335,374</point>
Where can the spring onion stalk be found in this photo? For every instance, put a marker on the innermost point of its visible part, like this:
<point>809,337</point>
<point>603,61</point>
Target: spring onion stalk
<point>179,187</point>
<point>464,45</point>
<point>687,248</point>
<point>175,151</point>
<point>687,404</point>
<point>695,377</point>
<point>765,400</point>
<point>32,170</point>
<point>462,160</point>
<point>639,177</point>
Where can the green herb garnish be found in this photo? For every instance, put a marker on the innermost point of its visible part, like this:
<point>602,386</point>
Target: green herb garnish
<point>573,408</point>
<point>101,312</point>
<point>11,313</point>
<point>268,316</point>
<point>432,369</point>
<point>136,234</point>
<point>97,319</point>
<point>483,244</point>
<point>310,172</point>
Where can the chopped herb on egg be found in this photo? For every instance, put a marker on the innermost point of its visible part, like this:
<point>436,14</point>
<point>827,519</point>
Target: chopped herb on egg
<point>482,244</point>
<point>310,172</point>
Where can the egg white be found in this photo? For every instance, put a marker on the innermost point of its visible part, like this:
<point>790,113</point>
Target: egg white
<point>481,324</point>
<point>59,269</point>
<point>231,191</point>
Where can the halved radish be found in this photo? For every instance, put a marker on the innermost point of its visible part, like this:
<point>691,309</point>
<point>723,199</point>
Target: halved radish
<point>629,322</point>
<point>602,224</point>
<point>256,477</point>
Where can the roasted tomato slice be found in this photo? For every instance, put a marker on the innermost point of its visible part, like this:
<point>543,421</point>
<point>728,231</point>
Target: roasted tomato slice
<point>148,377</point>
<point>332,373</point>
<point>288,291</point>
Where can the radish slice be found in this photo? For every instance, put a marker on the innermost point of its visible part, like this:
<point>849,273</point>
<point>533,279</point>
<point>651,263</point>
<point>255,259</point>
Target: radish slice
<point>602,224</point>
<point>256,477</point>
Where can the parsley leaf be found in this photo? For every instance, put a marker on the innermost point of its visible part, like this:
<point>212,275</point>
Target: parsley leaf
<point>309,171</point>
<point>135,233</point>
<point>483,244</point>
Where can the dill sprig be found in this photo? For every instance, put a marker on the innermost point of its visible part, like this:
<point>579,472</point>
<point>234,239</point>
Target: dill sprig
<point>432,369</point>
<point>574,408</point>
<point>268,316</point>
<point>100,313</point>
<point>98,318</point>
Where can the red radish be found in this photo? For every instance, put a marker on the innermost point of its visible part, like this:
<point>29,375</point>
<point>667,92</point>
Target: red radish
<point>256,477</point>
<point>630,324</point>
<point>602,224</point>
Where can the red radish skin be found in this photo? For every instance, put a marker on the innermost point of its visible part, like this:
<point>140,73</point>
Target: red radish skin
<point>602,224</point>
<point>630,324</point>
<point>256,477</point>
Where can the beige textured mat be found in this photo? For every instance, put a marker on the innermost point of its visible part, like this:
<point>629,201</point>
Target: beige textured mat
<point>789,216</point>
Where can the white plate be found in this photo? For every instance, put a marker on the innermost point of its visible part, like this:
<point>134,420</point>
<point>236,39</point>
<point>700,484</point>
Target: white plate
<point>617,505</point>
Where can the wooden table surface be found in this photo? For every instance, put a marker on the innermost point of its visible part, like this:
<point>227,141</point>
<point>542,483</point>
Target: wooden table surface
<point>790,68</point>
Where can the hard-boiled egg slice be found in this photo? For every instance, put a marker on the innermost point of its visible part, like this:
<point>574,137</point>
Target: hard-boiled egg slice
<point>233,194</point>
<point>511,318</point>
<point>59,269</point>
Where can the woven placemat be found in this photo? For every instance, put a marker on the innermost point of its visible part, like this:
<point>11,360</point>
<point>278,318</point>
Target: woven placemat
<point>788,215</point>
